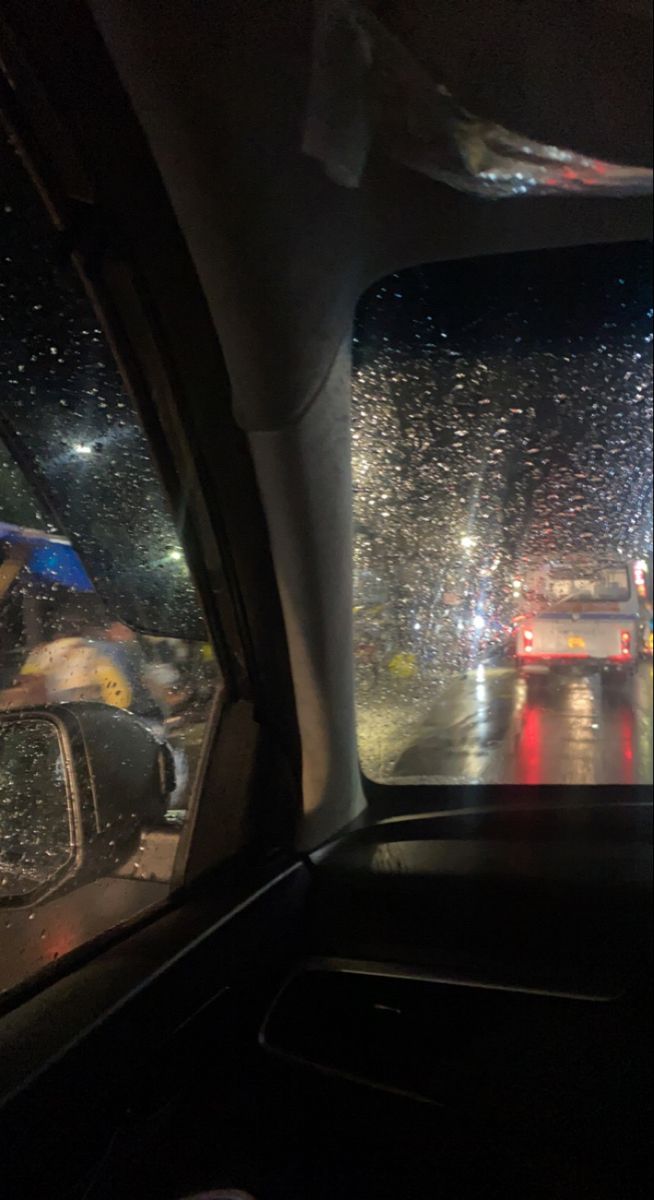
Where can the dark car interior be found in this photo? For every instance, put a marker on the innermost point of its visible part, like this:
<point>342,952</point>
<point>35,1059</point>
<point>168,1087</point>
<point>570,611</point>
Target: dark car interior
<point>342,987</point>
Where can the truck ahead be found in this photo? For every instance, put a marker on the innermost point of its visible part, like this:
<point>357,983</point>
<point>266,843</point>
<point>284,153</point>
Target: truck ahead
<point>583,615</point>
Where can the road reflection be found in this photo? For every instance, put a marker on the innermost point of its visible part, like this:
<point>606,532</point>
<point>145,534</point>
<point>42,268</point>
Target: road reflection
<point>530,745</point>
<point>493,727</point>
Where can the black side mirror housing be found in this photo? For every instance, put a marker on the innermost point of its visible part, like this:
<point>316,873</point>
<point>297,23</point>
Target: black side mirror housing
<point>78,783</point>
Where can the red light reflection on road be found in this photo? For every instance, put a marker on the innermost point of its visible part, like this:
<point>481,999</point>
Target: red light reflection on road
<point>627,743</point>
<point>529,749</point>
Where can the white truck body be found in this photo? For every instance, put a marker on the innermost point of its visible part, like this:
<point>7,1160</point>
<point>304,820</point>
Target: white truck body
<point>585,616</point>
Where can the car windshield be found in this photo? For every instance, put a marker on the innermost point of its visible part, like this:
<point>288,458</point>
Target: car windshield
<point>502,463</point>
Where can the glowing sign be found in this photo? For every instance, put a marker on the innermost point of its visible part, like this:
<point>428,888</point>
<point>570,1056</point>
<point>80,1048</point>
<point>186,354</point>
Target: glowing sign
<point>640,572</point>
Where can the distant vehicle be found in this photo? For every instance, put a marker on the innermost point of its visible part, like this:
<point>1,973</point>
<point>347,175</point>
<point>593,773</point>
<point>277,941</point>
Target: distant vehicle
<point>587,615</point>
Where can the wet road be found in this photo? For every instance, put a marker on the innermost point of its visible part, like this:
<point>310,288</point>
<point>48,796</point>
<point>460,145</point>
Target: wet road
<point>489,727</point>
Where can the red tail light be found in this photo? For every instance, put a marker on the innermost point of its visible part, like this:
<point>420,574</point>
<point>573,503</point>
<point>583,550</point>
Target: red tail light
<point>528,638</point>
<point>625,641</point>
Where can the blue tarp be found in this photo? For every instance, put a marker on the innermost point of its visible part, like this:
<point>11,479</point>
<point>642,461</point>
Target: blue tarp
<point>51,559</point>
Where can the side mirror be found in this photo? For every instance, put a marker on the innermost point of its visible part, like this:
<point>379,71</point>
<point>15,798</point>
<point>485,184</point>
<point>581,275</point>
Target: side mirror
<point>78,782</point>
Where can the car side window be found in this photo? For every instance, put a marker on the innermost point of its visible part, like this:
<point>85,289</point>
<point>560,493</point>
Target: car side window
<point>107,674</point>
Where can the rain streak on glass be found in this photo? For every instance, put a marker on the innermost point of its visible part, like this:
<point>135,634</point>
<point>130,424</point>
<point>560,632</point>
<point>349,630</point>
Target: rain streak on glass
<point>502,439</point>
<point>96,600</point>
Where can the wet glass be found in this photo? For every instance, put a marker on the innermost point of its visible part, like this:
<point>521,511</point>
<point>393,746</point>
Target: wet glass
<point>607,584</point>
<point>502,464</point>
<point>97,602</point>
<point>36,836</point>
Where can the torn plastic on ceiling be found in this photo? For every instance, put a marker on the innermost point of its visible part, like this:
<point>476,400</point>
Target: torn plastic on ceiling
<point>368,91</point>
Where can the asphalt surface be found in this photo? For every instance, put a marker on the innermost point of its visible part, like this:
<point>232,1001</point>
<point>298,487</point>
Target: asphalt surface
<point>491,727</point>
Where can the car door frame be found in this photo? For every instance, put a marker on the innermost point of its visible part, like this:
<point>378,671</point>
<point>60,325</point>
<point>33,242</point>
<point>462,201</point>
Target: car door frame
<point>68,117</point>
